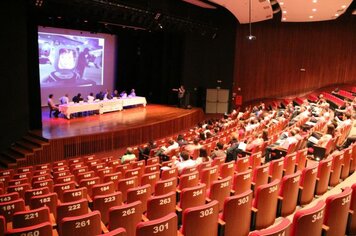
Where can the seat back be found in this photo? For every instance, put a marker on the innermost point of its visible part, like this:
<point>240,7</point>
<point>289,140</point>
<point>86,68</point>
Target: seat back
<point>126,216</point>
<point>164,226</point>
<point>209,175</point>
<point>282,228</point>
<point>73,195</point>
<point>152,168</point>
<point>192,197</point>
<point>337,212</point>
<point>170,173</point>
<point>336,167</point>
<point>323,176</point>
<point>40,229</point>
<point>260,176</point>
<point>152,161</point>
<point>201,220</point>
<point>227,169</point>
<point>290,161</point>
<point>242,164</point>
<point>69,209</point>
<point>89,183</point>
<point>188,180</point>
<point>60,188</point>
<point>141,193</point>
<point>238,205</point>
<point>301,159</point>
<point>151,179</point>
<point>266,204</point>
<point>351,229</point>
<point>165,186</point>
<point>7,209</point>
<point>113,177</point>
<point>116,232</point>
<point>307,182</point>
<point>219,190</point>
<point>289,193</point>
<point>88,224</point>
<point>50,200</point>
<point>242,182</point>
<point>347,162</point>
<point>308,221</point>
<point>276,169</point>
<point>8,197</point>
<point>20,189</point>
<point>255,160</point>
<point>133,172</point>
<point>44,183</point>
<point>103,203</point>
<point>29,218</point>
<point>188,170</point>
<point>159,206</point>
<point>125,184</point>
<point>103,189</point>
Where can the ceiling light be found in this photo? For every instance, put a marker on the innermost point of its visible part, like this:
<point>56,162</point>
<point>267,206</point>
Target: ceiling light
<point>314,9</point>
<point>336,14</point>
<point>343,6</point>
<point>281,3</point>
<point>284,19</point>
<point>315,1</point>
<point>284,12</point>
<point>311,17</point>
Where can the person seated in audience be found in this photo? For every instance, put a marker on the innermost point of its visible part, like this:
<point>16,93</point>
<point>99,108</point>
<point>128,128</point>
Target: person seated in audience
<point>202,136</point>
<point>115,94</point>
<point>132,93</point>
<point>219,151</point>
<point>145,152</point>
<point>123,94</point>
<point>322,142</point>
<point>203,156</point>
<point>64,99</point>
<point>181,141</point>
<point>191,147</point>
<point>235,148</point>
<point>256,142</point>
<point>171,146</point>
<point>344,121</point>
<point>289,140</point>
<point>90,97</point>
<point>107,95</point>
<point>184,162</point>
<point>78,98</point>
<point>52,106</point>
<point>128,156</point>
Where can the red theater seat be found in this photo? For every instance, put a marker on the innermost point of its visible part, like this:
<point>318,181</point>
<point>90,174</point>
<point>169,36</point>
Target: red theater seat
<point>337,211</point>
<point>126,216</point>
<point>323,176</point>
<point>40,229</point>
<point>9,197</point>
<point>7,209</point>
<point>282,228</point>
<point>288,194</point>
<point>301,159</point>
<point>171,173</point>
<point>151,179</point>
<point>347,162</point>
<point>160,206</point>
<point>227,169</point>
<point>260,176</point>
<point>20,189</point>
<point>114,177</point>
<point>29,218</point>
<point>116,232</point>
<point>50,200</point>
<point>89,183</point>
<point>165,226</point>
<point>242,182</point>
<point>276,169</point>
<point>74,194</point>
<point>69,209</point>
<point>152,161</point>
<point>88,224</point>
<point>103,203</point>
<point>60,188</point>
<point>351,228</point>
<point>201,220</point>
<point>220,190</point>
<point>308,221</point>
<point>141,193</point>
<point>125,184</point>
<point>336,167</point>
<point>191,197</point>
<point>242,164</point>
<point>290,161</point>
<point>165,186</point>
<point>307,184</point>
<point>35,192</point>
<point>188,180</point>
<point>265,204</point>
<point>103,189</point>
<point>238,205</point>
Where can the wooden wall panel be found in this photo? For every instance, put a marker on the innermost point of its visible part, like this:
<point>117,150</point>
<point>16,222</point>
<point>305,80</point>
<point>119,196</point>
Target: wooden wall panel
<point>270,66</point>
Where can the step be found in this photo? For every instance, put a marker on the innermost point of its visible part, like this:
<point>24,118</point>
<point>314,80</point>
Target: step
<point>35,135</point>
<point>35,141</point>
<point>28,145</point>
<point>12,155</point>
<point>7,162</point>
<point>20,150</point>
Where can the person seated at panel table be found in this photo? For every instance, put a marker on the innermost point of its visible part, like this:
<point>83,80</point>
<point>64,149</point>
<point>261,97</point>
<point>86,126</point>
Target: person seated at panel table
<point>128,156</point>
<point>64,99</point>
<point>107,95</point>
<point>52,106</point>
<point>78,98</point>
<point>100,95</point>
<point>90,97</point>
<point>123,94</point>
<point>115,94</point>
<point>132,94</point>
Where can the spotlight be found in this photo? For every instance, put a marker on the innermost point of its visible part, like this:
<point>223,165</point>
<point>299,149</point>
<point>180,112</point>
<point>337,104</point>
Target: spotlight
<point>251,37</point>
<point>160,26</point>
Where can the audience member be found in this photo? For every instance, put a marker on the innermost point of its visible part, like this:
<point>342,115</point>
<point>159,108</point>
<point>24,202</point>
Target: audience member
<point>184,162</point>
<point>128,156</point>
<point>219,151</point>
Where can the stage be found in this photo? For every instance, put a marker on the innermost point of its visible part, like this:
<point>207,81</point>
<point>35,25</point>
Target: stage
<point>110,131</point>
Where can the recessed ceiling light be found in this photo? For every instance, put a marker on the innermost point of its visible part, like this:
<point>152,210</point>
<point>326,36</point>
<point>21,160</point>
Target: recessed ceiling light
<point>314,9</point>
<point>311,17</point>
<point>336,14</point>
<point>315,1</point>
<point>284,12</point>
<point>284,19</point>
<point>281,3</point>
<point>343,6</point>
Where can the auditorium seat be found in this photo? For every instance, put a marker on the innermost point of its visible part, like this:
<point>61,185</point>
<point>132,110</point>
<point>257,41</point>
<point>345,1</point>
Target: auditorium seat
<point>7,209</point>
<point>192,197</point>
<point>227,169</point>
<point>25,169</point>
<point>114,177</point>
<point>59,163</point>
<point>218,161</point>
<point>152,168</point>
<point>164,226</point>
<point>89,183</point>
<point>265,205</point>
<point>290,161</point>
<point>188,170</point>
<point>242,164</point>
<point>260,176</point>
<point>34,192</point>
<point>125,184</point>
<point>201,220</point>
<point>20,189</point>
<point>15,182</point>
<point>103,189</point>
<point>88,224</point>
<point>301,159</point>
<point>323,176</point>
<point>165,186</point>
<point>8,197</point>
<point>59,174</point>
<point>36,178</point>
<point>151,179</point>
<point>42,172</point>
<point>69,209</point>
<point>60,188</point>
<point>126,216</point>
<point>307,184</point>
<point>141,193</point>
<point>103,203</point>
<point>160,206</point>
<point>74,194</point>
<point>104,171</point>
<point>44,183</point>
<point>347,163</point>
<point>209,175</point>
<point>276,169</point>
<point>29,218</point>
<point>133,172</point>
<point>40,229</point>
<point>255,160</point>
<point>351,228</point>
<point>152,161</point>
<point>353,159</point>
<point>337,212</point>
<point>65,179</point>
<point>170,173</point>
<point>138,164</point>
<point>188,180</point>
<point>50,200</point>
<point>219,190</point>
<point>204,165</point>
<point>122,168</point>
<point>238,205</point>
<point>308,221</point>
<point>288,194</point>
<point>336,168</point>
<point>116,232</point>
<point>282,228</point>
<point>242,182</point>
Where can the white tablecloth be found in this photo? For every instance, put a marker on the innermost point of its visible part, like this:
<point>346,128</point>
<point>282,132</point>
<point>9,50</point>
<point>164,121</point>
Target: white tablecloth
<point>101,106</point>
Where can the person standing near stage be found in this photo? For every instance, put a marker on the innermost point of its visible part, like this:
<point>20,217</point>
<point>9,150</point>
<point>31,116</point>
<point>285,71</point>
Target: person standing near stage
<point>181,94</point>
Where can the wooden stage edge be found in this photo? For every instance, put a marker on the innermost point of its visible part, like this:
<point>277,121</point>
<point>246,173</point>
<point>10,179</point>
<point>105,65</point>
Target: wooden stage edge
<point>109,132</point>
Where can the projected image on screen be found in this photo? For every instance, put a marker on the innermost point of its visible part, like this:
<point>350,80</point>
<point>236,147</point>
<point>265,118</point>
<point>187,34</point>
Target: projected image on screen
<point>70,61</point>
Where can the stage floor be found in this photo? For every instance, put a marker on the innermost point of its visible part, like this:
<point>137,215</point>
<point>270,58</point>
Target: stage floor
<point>57,128</point>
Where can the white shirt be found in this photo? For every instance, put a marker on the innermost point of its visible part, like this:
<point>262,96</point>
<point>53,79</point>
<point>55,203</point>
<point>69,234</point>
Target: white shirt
<point>185,164</point>
<point>64,100</point>
<point>90,98</point>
